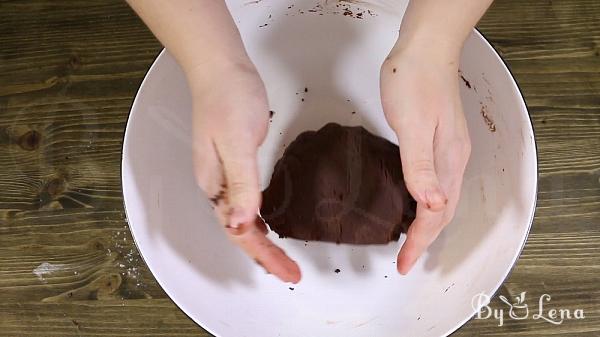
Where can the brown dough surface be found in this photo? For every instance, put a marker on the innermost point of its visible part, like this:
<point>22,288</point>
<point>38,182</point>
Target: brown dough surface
<point>339,184</point>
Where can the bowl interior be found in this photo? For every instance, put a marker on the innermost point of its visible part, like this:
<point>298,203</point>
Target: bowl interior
<point>337,58</point>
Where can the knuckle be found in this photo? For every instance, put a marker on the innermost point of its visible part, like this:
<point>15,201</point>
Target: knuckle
<point>461,144</point>
<point>421,167</point>
<point>242,192</point>
<point>447,218</point>
<point>459,151</point>
<point>236,148</point>
<point>237,188</point>
<point>418,172</point>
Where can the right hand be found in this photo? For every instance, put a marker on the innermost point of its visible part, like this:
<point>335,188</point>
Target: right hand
<point>230,121</point>
<point>421,101</point>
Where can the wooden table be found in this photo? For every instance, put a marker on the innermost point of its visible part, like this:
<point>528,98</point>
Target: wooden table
<point>68,73</point>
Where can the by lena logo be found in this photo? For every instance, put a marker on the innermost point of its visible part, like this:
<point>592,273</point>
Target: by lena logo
<point>519,309</point>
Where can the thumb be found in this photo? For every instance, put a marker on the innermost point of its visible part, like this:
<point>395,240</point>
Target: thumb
<point>241,177</point>
<point>418,166</point>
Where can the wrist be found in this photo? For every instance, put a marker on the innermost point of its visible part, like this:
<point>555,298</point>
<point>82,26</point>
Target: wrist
<point>210,71</point>
<point>428,47</point>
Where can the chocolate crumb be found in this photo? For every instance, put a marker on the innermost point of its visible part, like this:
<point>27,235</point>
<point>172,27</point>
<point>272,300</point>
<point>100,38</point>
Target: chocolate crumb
<point>467,83</point>
<point>385,276</point>
<point>271,113</point>
<point>337,271</point>
<point>305,89</point>
<point>394,70</point>
<point>490,123</point>
<point>291,288</point>
<point>263,25</point>
<point>353,112</point>
<point>303,100</point>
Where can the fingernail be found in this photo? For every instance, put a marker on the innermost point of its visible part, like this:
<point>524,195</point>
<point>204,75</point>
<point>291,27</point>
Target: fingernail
<point>404,263</point>
<point>294,272</point>
<point>405,269</point>
<point>401,268</point>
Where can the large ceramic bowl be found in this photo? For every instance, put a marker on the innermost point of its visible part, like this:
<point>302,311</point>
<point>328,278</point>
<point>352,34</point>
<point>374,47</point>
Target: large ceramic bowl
<point>337,57</point>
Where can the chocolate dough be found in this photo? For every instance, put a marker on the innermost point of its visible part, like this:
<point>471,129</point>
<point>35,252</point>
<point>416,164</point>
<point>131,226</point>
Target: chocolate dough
<point>339,184</point>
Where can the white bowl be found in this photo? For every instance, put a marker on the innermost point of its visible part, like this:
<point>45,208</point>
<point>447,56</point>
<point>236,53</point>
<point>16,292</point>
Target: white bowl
<point>337,58</point>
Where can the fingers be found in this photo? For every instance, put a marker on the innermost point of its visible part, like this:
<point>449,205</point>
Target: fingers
<point>244,226</point>
<point>451,158</point>
<point>416,151</point>
<point>208,170</point>
<point>241,176</point>
<point>251,238</point>
<point>421,233</point>
<point>423,106</point>
<point>230,179</point>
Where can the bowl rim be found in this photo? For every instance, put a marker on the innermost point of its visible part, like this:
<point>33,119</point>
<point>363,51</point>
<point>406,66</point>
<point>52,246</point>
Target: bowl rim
<point>451,331</point>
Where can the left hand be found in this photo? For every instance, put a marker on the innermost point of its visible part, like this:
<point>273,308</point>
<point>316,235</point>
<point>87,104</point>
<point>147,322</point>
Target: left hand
<point>421,101</point>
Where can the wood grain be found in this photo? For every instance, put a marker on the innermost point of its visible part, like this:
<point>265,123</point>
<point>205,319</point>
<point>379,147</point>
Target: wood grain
<point>68,73</point>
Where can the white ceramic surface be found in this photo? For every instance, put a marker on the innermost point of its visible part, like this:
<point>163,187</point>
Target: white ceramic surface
<point>337,58</point>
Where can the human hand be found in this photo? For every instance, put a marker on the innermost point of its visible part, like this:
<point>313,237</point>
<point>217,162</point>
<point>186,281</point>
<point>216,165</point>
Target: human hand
<point>421,101</point>
<point>230,121</point>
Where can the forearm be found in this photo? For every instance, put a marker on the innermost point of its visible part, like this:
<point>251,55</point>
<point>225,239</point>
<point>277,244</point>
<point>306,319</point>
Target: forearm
<point>439,26</point>
<point>201,35</point>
